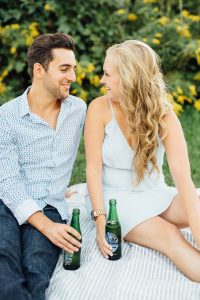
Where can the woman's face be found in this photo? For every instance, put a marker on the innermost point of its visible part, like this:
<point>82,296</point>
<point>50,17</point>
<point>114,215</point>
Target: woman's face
<point>111,78</point>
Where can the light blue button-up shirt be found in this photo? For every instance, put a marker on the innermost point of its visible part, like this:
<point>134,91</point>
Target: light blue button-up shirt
<point>36,160</point>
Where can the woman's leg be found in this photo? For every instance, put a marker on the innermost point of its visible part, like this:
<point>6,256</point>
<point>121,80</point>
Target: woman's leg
<point>165,237</point>
<point>175,214</point>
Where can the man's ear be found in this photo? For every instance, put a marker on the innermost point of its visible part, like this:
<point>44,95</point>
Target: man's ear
<point>38,71</point>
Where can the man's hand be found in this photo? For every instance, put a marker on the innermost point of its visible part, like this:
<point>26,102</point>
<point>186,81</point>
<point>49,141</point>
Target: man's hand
<point>61,235</point>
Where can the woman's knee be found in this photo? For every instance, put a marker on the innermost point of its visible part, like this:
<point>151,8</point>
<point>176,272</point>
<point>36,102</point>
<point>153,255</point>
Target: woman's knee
<point>155,233</point>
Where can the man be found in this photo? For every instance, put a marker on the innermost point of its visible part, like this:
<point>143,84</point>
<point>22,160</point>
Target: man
<point>39,136</point>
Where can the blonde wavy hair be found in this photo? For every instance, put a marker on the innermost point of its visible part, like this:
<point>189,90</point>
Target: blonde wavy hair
<point>143,99</point>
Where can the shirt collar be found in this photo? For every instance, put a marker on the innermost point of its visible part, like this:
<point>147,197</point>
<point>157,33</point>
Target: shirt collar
<point>24,107</point>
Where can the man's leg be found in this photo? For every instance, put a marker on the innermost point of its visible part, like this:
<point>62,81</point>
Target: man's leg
<point>39,256</point>
<point>11,276</point>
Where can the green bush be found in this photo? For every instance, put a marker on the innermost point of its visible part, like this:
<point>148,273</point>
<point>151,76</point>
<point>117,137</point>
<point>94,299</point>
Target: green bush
<point>170,27</point>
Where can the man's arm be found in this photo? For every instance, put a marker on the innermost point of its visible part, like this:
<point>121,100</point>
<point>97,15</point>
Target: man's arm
<point>14,195</point>
<point>60,235</point>
<point>12,188</point>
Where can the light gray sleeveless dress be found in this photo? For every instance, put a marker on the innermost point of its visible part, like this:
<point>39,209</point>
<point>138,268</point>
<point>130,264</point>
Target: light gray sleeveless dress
<point>134,204</point>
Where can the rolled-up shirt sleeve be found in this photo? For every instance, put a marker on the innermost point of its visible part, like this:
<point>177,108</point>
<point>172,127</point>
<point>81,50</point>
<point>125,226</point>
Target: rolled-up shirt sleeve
<point>12,188</point>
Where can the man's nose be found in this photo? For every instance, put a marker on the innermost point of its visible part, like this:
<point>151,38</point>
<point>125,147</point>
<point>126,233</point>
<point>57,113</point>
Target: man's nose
<point>71,76</point>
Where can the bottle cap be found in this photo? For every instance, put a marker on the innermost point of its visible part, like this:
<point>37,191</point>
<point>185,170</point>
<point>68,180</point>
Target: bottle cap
<point>112,201</point>
<point>76,211</point>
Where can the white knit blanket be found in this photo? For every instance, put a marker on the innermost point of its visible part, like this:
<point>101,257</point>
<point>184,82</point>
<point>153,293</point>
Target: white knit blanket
<point>141,273</point>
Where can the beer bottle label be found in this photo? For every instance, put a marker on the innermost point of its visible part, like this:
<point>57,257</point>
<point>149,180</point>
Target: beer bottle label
<point>68,257</point>
<point>112,240</point>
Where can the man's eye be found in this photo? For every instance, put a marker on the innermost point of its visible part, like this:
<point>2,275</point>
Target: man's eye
<point>63,70</point>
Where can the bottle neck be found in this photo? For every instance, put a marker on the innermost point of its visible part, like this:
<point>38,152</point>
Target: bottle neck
<point>75,222</point>
<point>113,213</point>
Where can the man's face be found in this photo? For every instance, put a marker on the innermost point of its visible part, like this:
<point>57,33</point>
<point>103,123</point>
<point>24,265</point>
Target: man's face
<point>60,73</point>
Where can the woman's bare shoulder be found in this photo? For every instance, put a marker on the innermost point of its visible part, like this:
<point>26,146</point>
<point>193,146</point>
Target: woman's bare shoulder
<point>99,103</point>
<point>171,119</point>
<point>99,108</point>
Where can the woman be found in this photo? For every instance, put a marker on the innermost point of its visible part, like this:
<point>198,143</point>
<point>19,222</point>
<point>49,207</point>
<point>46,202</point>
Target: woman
<point>126,134</point>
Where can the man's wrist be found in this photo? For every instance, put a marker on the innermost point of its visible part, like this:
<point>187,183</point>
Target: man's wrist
<point>39,221</point>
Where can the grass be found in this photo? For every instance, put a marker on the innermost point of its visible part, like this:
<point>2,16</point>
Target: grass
<point>190,120</point>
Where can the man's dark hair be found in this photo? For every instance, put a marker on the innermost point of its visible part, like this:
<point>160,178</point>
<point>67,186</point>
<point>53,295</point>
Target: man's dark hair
<point>40,50</point>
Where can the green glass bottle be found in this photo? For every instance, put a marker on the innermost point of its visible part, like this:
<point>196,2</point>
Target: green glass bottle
<point>113,231</point>
<point>72,261</point>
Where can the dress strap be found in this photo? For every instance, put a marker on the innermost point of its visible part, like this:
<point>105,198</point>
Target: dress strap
<point>111,107</point>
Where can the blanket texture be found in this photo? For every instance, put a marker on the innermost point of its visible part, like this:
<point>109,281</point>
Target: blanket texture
<point>141,273</point>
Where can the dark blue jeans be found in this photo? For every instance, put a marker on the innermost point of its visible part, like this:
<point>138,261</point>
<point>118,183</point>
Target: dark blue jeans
<point>27,257</point>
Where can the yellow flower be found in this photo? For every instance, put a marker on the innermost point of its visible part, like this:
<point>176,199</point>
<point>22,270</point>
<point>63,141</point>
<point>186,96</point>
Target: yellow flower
<point>170,97</point>
<point>90,68</point>
<point>177,21</point>
<point>95,80</point>
<point>33,25</point>
<point>197,104</point>
<point>158,35</point>
<point>13,50</point>
<point>155,9</point>
<point>155,41</point>
<point>197,76</point>
<point>183,31</point>
<point>4,73</point>
<point>164,20</point>
<point>33,29</point>
<point>48,7</point>
<point>177,108</point>
<point>193,90</point>
<point>150,1</point>
<point>103,90</point>
<point>83,95</point>
<point>197,52</point>
<point>185,13</point>
<point>179,90</point>
<point>29,40</point>
<point>181,99</point>
<point>34,33</point>
<point>82,75</point>
<point>120,11</point>
<point>74,91</point>
<point>189,100</point>
<point>79,80</point>
<point>174,94</point>
<point>15,26</point>
<point>132,17</point>
<point>2,88</point>
<point>194,18</point>
<point>24,32</point>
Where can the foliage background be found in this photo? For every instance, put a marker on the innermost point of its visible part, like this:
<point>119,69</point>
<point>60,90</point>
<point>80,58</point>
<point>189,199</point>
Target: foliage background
<point>170,27</point>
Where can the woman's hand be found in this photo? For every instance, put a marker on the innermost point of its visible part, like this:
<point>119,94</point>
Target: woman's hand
<point>102,243</point>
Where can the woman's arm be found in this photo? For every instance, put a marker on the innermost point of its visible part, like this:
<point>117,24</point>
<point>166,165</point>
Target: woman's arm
<point>178,161</point>
<point>94,136</point>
